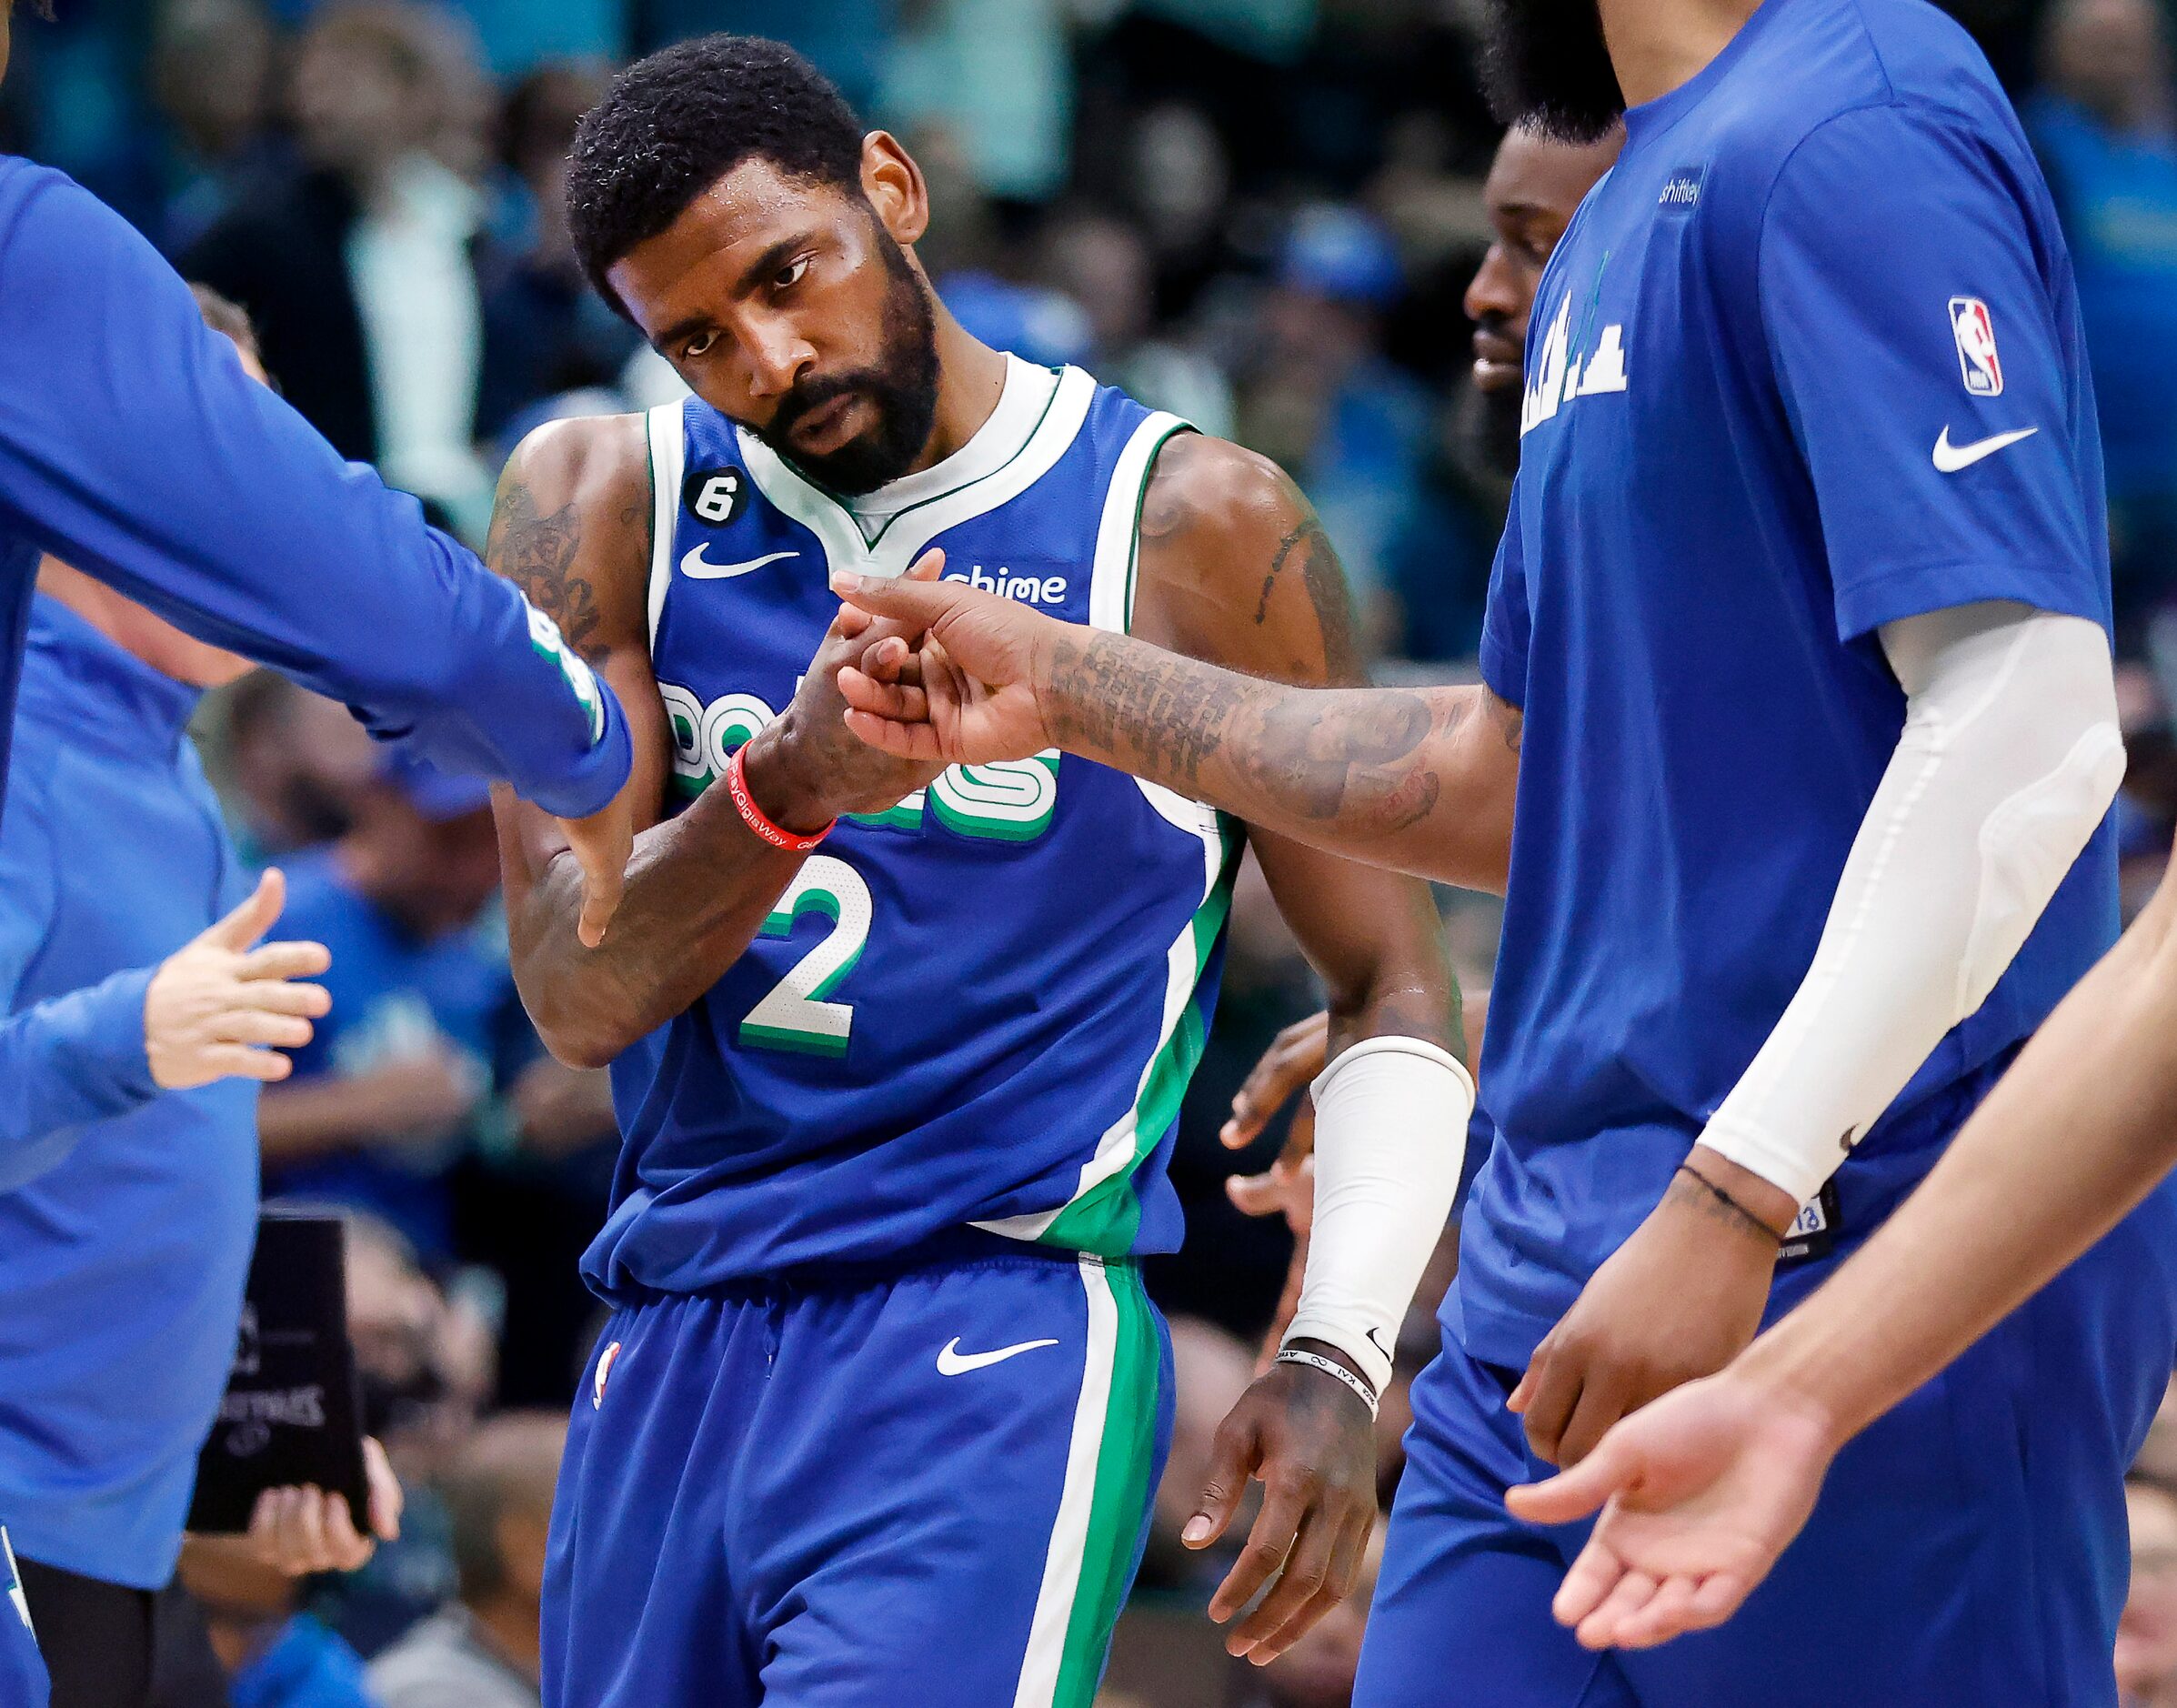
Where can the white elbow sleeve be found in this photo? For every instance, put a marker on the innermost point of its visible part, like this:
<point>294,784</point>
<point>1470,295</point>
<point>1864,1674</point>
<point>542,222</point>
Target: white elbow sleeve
<point>2010,755</point>
<point>1390,1134</point>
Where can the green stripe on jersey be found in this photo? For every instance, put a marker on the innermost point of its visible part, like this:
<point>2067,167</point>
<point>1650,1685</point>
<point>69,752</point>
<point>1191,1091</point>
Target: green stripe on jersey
<point>1105,1218</point>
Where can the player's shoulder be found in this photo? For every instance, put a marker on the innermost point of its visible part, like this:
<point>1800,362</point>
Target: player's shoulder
<point>1833,88</point>
<point>583,460</point>
<point>1201,484</point>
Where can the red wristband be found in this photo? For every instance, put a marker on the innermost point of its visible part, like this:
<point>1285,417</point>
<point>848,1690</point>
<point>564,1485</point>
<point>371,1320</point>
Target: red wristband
<point>752,815</point>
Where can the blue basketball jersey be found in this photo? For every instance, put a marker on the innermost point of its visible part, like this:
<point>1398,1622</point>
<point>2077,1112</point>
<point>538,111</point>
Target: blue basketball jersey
<point>976,1010</point>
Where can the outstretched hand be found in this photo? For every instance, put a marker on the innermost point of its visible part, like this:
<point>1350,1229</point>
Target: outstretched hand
<point>1700,1491</point>
<point>971,692</point>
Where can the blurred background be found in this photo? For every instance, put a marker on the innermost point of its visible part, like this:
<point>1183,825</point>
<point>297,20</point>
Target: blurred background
<point>1264,215</point>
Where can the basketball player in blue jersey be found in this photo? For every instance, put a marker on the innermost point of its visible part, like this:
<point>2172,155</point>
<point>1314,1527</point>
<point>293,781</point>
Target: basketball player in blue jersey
<point>1803,607</point>
<point>898,1048</point>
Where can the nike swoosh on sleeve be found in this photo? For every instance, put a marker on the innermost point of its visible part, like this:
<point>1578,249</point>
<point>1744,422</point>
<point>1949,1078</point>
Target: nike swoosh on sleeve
<point>1949,458</point>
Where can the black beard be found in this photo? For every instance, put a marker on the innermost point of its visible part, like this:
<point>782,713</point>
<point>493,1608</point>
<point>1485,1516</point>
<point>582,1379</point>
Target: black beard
<point>1547,66</point>
<point>903,388</point>
<point>1485,442</point>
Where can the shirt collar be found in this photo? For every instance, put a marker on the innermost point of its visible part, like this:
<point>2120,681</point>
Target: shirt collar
<point>110,691</point>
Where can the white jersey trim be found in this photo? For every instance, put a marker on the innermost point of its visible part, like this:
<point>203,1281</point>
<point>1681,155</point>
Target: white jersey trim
<point>903,539</point>
<point>668,458</point>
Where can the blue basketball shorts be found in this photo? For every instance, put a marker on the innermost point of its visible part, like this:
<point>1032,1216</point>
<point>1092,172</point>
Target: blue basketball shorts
<point>1969,1551</point>
<point>926,1488</point>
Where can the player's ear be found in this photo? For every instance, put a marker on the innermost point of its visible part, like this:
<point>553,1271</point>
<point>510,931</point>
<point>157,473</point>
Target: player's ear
<point>893,183</point>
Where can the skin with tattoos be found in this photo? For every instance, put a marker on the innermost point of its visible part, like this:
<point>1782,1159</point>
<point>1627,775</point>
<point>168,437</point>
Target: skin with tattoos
<point>1234,565</point>
<point>572,528</point>
<point>1419,780</point>
<point>1415,780</point>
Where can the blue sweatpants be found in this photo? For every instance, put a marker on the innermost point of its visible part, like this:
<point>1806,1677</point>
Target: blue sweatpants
<point>928,1488</point>
<point>1969,1550</point>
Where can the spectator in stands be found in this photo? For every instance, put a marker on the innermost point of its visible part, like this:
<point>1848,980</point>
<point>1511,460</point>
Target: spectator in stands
<point>386,1097</point>
<point>210,76</point>
<point>546,333</point>
<point>2107,134</point>
<point>1104,265</point>
<point>482,1651</point>
<point>2146,1644</point>
<point>294,763</point>
<point>358,263</point>
<point>1324,401</point>
<point>274,1656</point>
<point>425,1358</point>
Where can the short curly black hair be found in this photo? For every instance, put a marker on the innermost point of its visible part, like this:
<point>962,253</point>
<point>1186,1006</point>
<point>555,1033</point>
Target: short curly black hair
<point>672,124</point>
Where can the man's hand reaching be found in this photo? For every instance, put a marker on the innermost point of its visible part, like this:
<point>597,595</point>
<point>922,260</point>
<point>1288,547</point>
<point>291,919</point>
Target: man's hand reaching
<point>968,692</point>
<point>601,845</point>
<point>1700,1492</point>
<point>226,1005</point>
<point>806,767</point>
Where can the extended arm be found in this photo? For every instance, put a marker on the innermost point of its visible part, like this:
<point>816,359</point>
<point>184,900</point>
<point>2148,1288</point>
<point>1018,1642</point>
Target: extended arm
<point>2077,1133</point>
<point>2009,758</point>
<point>2006,762</point>
<point>1417,780</point>
<point>133,445</point>
<point>1705,1488</point>
<point>1234,565</point>
<point>572,528</point>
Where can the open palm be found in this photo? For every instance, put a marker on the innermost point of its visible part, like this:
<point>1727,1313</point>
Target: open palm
<point>1700,1491</point>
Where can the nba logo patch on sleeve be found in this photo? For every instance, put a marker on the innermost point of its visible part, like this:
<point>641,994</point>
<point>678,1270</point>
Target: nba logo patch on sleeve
<point>1977,359</point>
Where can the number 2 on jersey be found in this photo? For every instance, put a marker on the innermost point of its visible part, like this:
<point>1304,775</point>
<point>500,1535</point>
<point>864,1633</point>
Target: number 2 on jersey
<point>795,1015</point>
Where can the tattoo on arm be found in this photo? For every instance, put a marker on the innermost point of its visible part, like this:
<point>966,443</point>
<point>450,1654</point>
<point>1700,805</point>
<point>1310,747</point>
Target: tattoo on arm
<point>1349,756</point>
<point>536,553</point>
<point>1324,577</point>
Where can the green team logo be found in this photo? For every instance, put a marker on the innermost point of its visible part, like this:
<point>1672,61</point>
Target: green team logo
<point>1013,802</point>
<point>545,636</point>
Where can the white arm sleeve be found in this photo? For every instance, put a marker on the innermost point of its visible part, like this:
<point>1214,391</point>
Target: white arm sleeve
<point>2009,757</point>
<point>1390,1134</point>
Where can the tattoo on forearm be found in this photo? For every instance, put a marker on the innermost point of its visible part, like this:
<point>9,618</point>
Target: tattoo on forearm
<point>1345,755</point>
<point>536,553</point>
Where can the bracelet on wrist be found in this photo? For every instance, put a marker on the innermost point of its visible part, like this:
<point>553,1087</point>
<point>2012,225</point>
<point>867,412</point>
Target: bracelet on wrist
<point>1332,1367</point>
<point>754,817</point>
<point>1731,1203</point>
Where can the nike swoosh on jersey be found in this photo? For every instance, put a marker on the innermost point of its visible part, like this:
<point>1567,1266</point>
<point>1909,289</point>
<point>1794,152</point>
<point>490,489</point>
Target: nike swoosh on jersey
<point>1949,458</point>
<point>697,568</point>
<point>952,1361</point>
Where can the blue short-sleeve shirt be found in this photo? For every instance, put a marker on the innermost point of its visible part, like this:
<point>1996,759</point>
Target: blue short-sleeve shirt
<point>1808,361</point>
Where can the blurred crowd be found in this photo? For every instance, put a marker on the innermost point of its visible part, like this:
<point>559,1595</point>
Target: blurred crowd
<point>1267,215</point>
